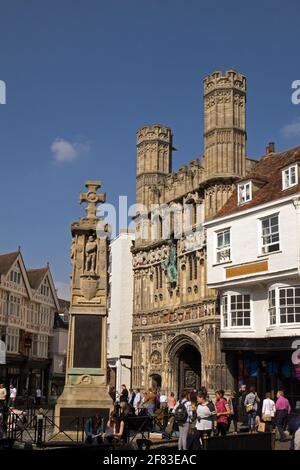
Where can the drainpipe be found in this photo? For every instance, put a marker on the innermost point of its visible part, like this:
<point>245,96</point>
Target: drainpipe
<point>296,202</point>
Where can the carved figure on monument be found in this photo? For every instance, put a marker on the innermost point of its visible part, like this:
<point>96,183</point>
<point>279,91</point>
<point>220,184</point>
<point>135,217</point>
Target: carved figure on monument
<point>90,255</point>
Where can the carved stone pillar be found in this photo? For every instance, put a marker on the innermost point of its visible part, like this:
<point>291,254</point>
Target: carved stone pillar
<point>85,393</point>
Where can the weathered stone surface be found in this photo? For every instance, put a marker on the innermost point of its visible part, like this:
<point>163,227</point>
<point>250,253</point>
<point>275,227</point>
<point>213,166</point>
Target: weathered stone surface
<point>170,315</point>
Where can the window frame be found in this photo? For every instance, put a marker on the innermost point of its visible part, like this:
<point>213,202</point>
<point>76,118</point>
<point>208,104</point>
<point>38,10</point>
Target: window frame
<point>288,170</point>
<point>242,192</point>
<point>218,250</point>
<point>227,324</point>
<point>263,245</point>
<point>278,323</point>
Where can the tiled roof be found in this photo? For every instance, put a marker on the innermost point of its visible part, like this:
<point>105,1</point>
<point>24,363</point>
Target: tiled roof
<point>35,276</point>
<point>268,170</point>
<point>6,261</point>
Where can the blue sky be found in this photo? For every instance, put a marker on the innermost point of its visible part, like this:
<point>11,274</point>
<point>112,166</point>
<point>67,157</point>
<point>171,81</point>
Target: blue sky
<point>83,75</point>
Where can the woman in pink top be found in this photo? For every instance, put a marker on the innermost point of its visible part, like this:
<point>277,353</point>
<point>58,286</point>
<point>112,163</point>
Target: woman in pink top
<point>223,412</point>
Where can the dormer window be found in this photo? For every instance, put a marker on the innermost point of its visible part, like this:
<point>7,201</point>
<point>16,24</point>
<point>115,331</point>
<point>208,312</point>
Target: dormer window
<point>290,176</point>
<point>244,192</point>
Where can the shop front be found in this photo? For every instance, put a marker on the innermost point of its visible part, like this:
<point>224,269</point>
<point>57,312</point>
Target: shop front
<point>266,364</point>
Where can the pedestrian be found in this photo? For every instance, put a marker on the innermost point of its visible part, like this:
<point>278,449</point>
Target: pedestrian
<point>112,393</point>
<point>171,401</point>
<point>268,412</point>
<point>241,404</point>
<point>12,395</point>
<point>194,398</point>
<point>93,430</point>
<point>137,401</point>
<point>131,396</point>
<point>38,396</point>
<point>3,394</point>
<point>233,407</point>
<point>150,402</point>
<point>204,421</point>
<point>124,394</point>
<point>183,413</point>
<point>163,400</point>
<point>293,428</point>
<point>283,408</point>
<point>251,405</point>
<point>223,412</point>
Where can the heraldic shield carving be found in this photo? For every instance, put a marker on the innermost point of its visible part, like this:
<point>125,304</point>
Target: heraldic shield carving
<point>89,286</point>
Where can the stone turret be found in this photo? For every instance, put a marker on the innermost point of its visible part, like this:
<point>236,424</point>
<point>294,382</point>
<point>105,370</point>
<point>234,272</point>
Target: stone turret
<point>225,124</point>
<point>154,162</point>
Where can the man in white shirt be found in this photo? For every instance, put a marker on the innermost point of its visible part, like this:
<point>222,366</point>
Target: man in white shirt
<point>38,396</point>
<point>12,395</point>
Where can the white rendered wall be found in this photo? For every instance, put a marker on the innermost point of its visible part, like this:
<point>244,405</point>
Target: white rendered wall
<point>246,248</point>
<point>121,305</point>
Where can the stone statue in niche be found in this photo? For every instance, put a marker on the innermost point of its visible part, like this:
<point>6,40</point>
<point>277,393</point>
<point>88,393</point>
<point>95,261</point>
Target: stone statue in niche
<point>170,265</point>
<point>90,255</point>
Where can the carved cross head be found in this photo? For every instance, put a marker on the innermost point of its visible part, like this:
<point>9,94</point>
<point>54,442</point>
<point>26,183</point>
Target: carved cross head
<point>92,198</point>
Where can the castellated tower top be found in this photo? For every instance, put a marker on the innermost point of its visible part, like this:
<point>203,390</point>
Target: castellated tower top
<point>225,124</point>
<point>153,162</point>
<point>220,80</point>
<point>154,133</point>
<point>154,150</point>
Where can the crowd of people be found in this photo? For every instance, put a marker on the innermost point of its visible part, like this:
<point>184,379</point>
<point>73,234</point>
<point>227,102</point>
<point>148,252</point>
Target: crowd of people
<point>197,415</point>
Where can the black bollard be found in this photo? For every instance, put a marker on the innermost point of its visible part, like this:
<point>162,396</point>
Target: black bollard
<point>39,424</point>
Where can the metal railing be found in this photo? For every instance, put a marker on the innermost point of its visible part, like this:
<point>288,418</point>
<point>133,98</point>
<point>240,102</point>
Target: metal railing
<point>38,427</point>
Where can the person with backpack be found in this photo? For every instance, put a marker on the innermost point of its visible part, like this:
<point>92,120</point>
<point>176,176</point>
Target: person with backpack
<point>251,405</point>
<point>183,413</point>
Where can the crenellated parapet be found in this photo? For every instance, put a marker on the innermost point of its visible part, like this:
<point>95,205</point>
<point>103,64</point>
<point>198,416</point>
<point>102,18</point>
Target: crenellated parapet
<point>224,80</point>
<point>154,133</point>
<point>186,179</point>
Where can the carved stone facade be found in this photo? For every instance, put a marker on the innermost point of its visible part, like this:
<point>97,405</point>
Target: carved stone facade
<point>173,308</point>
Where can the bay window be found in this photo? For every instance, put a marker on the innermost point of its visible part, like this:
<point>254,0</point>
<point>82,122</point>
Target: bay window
<point>236,310</point>
<point>284,305</point>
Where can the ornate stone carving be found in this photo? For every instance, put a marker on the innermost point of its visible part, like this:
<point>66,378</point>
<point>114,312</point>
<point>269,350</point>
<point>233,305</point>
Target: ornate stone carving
<point>155,358</point>
<point>85,380</point>
<point>92,198</point>
<point>90,255</point>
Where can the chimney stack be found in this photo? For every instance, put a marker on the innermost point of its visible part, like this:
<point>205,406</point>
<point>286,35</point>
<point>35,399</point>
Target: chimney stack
<point>270,148</point>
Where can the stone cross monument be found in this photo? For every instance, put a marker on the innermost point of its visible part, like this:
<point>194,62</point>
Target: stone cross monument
<point>85,393</point>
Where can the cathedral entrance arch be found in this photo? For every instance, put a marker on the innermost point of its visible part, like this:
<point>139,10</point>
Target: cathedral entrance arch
<point>189,368</point>
<point>185,362</point>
